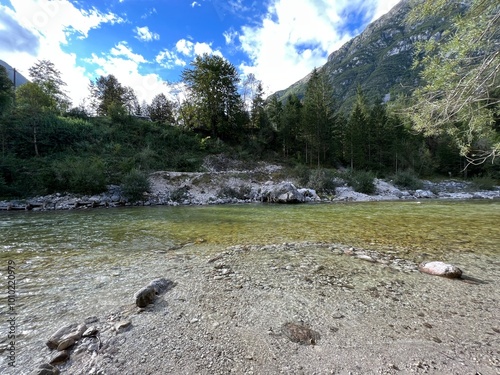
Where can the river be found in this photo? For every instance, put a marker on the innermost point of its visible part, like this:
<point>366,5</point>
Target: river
<point>69,265</point>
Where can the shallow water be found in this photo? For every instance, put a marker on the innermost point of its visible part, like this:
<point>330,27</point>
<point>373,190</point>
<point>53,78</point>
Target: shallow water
<point>73,264</point>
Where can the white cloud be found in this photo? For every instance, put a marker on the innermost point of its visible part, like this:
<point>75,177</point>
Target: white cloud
<point>230,36</point>
<point>184,51</point>
<point>287,45</point>
<point>168,59</point>
<point>190,49</point>
<point>53,23</point>
<point>144,34</point>
<point>124,64</point>
<point>122,49</point>
<point>195,4</point>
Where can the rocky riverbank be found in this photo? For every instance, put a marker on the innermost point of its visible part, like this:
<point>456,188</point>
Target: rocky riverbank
<point>265,183</point>
<point>292,308</point>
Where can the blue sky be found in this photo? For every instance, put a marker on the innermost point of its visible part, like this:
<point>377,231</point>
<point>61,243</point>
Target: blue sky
<point>146,44</point>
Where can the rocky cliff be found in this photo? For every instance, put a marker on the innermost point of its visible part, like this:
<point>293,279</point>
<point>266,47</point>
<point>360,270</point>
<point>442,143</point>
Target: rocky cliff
<point>379,59</point>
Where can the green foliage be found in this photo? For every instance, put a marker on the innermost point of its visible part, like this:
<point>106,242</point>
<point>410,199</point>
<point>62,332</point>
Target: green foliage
<point>241,192</point>
<point>408,180</point>
<point>319,120</point>
<point>79,175</point>
<point>485,183</point>
<point>460,74</point>
<point>45,75</point>
<point>5,190</point>
<point>6,91</point>
<point>110,98</point>
<point>302,173</point>
<point>361,181</point>
<point>289,122</point>
<point>179,195</point>
<point>161,110</point>
<point>212,84</point>
<point>323,180</point>
<point>134,185</point>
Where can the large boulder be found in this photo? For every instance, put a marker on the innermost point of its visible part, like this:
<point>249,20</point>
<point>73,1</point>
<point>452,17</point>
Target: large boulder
<point>148,294</point>
<point>440,269</point>
<point>284,192</point>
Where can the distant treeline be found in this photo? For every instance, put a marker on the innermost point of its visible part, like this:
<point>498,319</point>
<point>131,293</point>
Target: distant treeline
<point>47,145</point>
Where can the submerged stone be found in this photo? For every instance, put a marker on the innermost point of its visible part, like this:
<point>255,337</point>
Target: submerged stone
<point>300,333</point>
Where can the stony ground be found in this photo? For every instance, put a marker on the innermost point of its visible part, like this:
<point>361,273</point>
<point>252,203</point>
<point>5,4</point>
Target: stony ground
<point>302,309</point>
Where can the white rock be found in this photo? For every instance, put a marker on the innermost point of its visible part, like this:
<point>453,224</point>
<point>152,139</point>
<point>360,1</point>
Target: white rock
<point>440,269</point>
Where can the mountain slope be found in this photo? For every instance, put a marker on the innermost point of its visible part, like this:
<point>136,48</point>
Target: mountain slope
<point>379,59</point>
<point>14,75</point>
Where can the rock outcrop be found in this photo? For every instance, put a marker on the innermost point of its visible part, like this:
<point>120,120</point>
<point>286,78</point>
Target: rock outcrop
<point>284,192</point>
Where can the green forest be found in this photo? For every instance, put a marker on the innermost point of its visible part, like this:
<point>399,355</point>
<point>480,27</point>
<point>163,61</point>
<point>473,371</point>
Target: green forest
<point>48,145</point>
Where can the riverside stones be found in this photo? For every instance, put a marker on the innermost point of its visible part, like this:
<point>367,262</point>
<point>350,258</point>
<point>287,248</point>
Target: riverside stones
<point>148,294</point>
<point>46,369</point>
<point>68,335</point>
<point>440,269</point>
<point>284,192</point>
<point>59,357</point>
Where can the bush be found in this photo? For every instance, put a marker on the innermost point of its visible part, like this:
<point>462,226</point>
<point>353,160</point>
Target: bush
<point>180,194</point>
<point>484,183</point>
<point>241,192</point>
<point>323,180</point>
<point>361,181</point>
<point>79,175</point>
<point>407,179</point>
<point>302,173</point>
<point>134,184</point>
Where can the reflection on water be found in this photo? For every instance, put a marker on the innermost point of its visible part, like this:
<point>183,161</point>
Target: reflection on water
<point>74,264</point>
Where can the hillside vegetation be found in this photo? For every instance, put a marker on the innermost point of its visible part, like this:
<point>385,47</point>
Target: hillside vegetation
<point>334,118</point>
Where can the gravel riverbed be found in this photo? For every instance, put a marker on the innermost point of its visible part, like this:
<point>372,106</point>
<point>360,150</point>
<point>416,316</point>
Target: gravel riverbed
<point>300,308</point>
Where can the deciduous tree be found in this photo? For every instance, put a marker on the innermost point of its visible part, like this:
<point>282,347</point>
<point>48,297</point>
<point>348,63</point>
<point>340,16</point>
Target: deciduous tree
<point>106,94</point>
<point>212,83</point>
<point>161,109</point>
<point>461,74</point>
<point>45,74</point>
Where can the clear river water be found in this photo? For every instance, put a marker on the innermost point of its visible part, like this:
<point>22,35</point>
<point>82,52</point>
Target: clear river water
<point>69,265</point>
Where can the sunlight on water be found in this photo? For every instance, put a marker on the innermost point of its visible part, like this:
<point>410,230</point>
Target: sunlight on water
<point>103,256</point>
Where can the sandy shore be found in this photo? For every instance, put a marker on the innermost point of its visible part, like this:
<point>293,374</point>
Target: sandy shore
<point>231,312</point>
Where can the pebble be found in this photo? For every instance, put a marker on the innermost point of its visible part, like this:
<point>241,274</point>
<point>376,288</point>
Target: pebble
<point>365,257</point>
<point>122,325</point>
<point>59,357</point>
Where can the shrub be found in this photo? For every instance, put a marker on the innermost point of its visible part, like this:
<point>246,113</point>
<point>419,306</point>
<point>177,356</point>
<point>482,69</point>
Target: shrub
<point>180,194</point>
<point>484,183</point>
<point>134,184</point>
<point>241,192</point>
<point>323,180</point>
<point>79,175</point>
<point>361,181</point>
<point>302,173</point>
<point>407,179</point>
